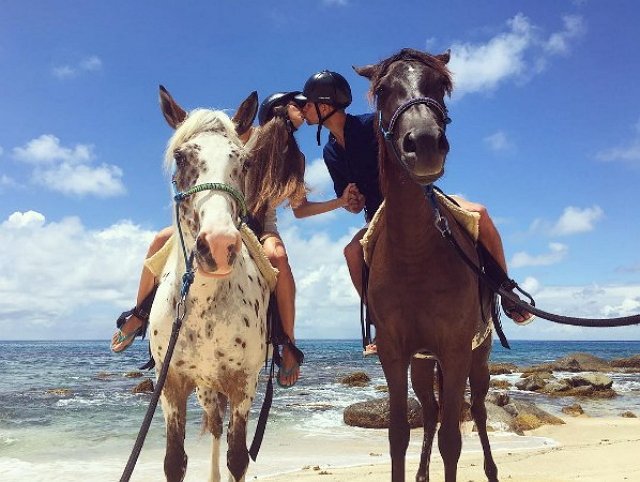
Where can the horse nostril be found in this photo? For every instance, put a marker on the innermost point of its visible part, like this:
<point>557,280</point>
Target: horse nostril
<point>409,143</point>
<point>202,246</point>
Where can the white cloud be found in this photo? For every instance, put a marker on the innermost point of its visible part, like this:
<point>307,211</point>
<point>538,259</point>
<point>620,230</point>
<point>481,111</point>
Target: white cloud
<point>46,149</point>
<point>557,253</point>
<point>627,153</point>
<point>558,43</point>
<point>318,179</point>
<point>575,220</point>
<point>62,280</point>
<point>594,301</point>
<point>1,150</point>
<point>515,54</point>
<point>499,142</point>
<point>89,64</point>
<point>68,169</point>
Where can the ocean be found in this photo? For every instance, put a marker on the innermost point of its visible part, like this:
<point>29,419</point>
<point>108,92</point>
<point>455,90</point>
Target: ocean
<point>86,431</point>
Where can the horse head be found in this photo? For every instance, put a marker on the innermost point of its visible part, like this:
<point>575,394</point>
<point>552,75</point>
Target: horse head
<point>206,154</point>
<point>409,90</point>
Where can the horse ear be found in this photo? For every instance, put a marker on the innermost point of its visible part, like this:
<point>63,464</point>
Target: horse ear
<point>366,71</point>
<point>246,113</point>
<point>444,57</point>
<point>173,113</point>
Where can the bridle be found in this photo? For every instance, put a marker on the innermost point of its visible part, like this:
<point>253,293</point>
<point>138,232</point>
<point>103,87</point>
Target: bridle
<point>180,196</point>
<point>387,134</point>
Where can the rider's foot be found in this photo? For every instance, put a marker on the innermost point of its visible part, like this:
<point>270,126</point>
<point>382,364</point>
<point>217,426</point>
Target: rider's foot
<point>519,315</point>
<point>124,336</point>
<point>290,370</point>
<point>370,349</point>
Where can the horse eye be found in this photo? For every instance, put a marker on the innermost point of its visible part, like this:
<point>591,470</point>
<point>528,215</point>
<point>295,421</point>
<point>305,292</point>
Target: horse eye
<point>179,157</point>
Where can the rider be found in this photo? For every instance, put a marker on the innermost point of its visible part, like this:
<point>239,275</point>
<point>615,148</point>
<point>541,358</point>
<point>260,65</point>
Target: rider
<point>279,116</point>
<point>351,156</point>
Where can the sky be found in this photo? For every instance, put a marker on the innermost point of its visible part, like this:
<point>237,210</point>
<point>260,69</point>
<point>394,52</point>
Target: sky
<point>545,133</point>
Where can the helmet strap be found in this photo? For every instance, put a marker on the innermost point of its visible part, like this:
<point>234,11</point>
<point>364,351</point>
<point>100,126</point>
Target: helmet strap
<point>322,120</point>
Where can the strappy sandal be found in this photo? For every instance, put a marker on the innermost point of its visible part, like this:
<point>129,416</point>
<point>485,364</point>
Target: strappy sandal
<point>287,372</point>
<point>142,313</point>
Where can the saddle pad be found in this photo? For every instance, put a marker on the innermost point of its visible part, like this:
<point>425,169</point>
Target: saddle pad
<point>156,263</point>
<point>467,219</point>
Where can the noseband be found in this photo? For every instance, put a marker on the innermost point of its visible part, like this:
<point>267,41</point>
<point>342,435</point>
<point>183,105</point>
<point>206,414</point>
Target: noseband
<point>180,196</point>
<point>433,104</point>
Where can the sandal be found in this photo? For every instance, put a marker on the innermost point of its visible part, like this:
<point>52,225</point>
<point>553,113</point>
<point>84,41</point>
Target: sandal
<point>142,313</point>
<point>287,372</point>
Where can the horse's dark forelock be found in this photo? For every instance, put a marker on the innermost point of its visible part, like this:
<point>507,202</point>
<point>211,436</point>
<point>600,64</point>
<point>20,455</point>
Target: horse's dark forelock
<point>412,55</point>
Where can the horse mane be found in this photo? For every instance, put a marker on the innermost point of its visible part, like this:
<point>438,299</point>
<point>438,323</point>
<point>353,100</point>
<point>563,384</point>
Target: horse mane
<point>198,121</point>
<point>407,55</point>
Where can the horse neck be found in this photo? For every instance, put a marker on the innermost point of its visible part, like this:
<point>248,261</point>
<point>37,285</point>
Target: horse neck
<point>409,218</point>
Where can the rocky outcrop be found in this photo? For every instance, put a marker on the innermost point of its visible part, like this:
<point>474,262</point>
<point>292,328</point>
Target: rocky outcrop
<point>631,364</point>
<point>595,385</point>
<point>574,410</point>
<point>581,362</point>
<point>61,392</point>
<point>500,384</point>
<point>628,414</point>
<point>502,368</point>
<point>356,379</point>
<point>135,374</point>
<point>145,386</point>
<point>375,414</point>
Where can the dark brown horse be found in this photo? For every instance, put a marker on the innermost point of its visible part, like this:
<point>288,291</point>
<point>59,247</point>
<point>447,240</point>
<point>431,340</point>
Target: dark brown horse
<point>421,294</point>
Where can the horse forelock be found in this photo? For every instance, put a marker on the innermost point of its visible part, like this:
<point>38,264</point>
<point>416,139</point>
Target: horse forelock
<point>411,55</point>
<point>197,122</point>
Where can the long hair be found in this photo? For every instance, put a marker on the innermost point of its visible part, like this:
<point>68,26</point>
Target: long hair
<point>276,166</point>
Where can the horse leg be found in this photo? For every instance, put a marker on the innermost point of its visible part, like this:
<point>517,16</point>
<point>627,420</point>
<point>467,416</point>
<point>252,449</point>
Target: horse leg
<point>479,384</point>
<point>422,382</point>
<point>214,405</point>
<point>174,407</point>
<point>237,453</point>
<point>395,371</point>
<point>455,373</point>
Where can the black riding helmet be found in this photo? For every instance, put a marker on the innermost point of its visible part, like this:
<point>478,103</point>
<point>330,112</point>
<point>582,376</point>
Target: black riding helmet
<point>265,113</point>
<point>326,87</point>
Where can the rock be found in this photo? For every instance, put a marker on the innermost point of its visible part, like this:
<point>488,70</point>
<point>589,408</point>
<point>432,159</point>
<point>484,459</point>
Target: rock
<point>581,362</point>
<point>573,410</point>
<point>500,384</point>
<point>502,368</point>
<point>382,388</point>
<point>498,419</point>
<point>597,380</point>
<point>62,392</point>
<point>632,362</point>
<point>544,369</point>
<point>499,399</point>
<point>134,374</point>
<point>356,379</point>
<point>528,411</point>
<point>628,414</point>
<point>555,386</point>
<point>145,386</point>
<point>531,384</point>
<point>375,414</point>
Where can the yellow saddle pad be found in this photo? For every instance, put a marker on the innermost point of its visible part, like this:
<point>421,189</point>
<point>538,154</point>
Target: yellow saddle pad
<point>156,263</point>
<point>469,220</point>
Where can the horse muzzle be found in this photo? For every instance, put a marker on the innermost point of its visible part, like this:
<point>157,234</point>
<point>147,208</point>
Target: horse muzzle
<point>423,153</point>
<point>216,253</point>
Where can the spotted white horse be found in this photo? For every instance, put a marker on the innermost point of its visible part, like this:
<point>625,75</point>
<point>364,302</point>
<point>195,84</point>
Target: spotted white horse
<point>221,346</point>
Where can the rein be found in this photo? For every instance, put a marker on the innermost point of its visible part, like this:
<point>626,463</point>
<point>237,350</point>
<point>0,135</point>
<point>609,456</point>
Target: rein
<point>443,226</point>
<point>181,311</point>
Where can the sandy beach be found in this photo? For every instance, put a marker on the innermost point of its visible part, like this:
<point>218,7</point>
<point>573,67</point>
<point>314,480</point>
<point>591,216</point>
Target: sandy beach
<point>586,449</point>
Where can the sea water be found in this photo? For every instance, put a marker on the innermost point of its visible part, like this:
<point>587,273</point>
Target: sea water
<point>87,430</point>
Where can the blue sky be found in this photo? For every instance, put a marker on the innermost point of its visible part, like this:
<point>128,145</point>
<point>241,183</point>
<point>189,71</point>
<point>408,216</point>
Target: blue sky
<point>545,133</point>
